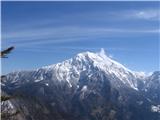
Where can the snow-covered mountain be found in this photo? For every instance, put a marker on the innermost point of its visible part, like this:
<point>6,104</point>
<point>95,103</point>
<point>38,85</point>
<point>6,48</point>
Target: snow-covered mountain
<point>91,85</point>
<point>71,70</point>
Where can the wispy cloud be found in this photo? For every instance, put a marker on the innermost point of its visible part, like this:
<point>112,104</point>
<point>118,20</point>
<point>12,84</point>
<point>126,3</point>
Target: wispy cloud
<point>54,31</point>
<point>149,14</point>
<point>90,16</point>
<point>68,34</point>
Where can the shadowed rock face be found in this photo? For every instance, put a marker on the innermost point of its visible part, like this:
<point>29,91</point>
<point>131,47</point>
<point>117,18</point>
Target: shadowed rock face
<point>88,87</point>
<point>152,87</point>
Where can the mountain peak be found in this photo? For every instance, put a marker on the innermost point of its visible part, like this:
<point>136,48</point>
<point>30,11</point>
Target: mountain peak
<point>100,58</point>
<point>89,54</point>
<point>97,59</point>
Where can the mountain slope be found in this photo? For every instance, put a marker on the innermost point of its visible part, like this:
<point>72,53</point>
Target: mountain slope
<point>89,86</point>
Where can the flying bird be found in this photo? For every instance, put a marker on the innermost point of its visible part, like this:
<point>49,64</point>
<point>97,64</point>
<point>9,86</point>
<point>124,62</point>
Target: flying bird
<point>6,51</point>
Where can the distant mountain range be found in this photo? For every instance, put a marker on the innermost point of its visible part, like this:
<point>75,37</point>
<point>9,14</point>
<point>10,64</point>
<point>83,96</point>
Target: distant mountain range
<point>89,86</point>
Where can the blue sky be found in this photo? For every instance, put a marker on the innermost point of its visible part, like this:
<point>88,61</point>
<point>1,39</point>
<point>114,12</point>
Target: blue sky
<point>45,33</point>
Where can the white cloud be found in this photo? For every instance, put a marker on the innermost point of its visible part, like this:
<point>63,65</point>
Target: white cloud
<point>150,14</point>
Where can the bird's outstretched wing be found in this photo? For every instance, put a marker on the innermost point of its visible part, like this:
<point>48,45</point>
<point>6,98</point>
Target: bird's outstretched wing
<point>6,51</point>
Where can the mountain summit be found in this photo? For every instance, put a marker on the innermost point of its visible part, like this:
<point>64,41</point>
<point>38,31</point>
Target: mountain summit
<point>89,86</point>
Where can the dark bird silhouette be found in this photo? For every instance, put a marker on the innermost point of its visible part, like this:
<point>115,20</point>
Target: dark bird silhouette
<point>6,51</point>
